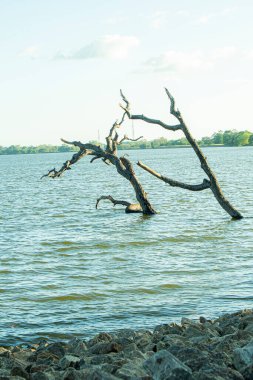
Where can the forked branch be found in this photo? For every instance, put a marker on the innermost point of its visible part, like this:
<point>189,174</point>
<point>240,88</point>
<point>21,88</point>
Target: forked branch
<point>212,183</point>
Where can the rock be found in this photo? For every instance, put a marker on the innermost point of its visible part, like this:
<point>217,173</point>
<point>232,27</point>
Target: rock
<point>193,357</point>
<point>19,371</point>
<point>133,353</point>
<point>165,366</point>
<point>6,362</point>
<point>4,373</point>
<point>249,327</point>
<point>124,341</point>
<point>218,373</point>
<point>100,359</point>
<point>243,357</point>
<point>37,368</point>
<point>87,374</point>
<point>248,372</point>
<point>42,376</point>
<point>125,333</point>
<point>4,352</point>
<point>22,356</point>
<point>133,369</point>
<point>166,329</point>
<point>46,358</point>
<point>143,340</point>
<point>99,338</point>
<point>69,361</point>
<point>202,331</point>
<point>105,348</point>
<point>229,323</point>
<point>76,346</point>
<point>57,349</point>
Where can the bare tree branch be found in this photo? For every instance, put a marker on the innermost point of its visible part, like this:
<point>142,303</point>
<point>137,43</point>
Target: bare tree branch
<point>95,158</point>
<point>126,108</point>
<point>114,201</point>
<point>147,119</point>
<point>202,186</point>
<point>213,183</point>
<point>126,138</point>
<point>112,138</point>
<point>173,111</point>
<point>66,165</point>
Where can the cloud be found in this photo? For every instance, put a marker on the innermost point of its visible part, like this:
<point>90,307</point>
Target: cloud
<point>185,62</point>
<point>110,46</point>
<point>30,51</point>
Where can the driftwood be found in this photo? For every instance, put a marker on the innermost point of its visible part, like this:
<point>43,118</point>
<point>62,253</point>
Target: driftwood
<point>109,156</point>
<point>211,183</point>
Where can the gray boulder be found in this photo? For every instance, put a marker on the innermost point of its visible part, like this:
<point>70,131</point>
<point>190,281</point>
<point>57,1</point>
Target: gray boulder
<point>243,357</point>
<point>165,366</point>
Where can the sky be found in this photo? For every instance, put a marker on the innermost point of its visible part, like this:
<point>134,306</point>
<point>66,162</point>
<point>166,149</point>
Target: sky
<point>63,63</point>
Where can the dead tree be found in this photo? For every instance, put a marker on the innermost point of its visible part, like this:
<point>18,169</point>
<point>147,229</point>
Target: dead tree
<point>211,183</point>
<point>109,156</point>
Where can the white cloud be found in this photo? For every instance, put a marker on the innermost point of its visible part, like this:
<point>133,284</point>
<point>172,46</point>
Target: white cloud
<point>110,46</point>
<point>185,62</point>
<point>30,51</point>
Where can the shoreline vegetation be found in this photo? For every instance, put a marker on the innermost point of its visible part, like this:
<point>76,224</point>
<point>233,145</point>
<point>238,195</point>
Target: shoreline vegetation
<point>229,138</point>
<point>191,350</point>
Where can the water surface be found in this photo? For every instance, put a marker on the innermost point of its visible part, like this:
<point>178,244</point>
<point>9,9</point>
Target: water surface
<point>69,269</point>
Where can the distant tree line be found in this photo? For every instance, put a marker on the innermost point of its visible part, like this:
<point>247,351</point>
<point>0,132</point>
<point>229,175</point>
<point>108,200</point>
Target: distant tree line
<point>17,149</point>
<point>226,138</point>
<point>220,138</point>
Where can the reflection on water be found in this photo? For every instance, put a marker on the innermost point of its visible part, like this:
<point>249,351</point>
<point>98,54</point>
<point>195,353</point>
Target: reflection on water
<point>69,269</point>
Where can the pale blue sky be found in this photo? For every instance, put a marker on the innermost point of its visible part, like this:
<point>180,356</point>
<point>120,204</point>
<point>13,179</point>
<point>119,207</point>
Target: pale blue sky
<point>62,63</point>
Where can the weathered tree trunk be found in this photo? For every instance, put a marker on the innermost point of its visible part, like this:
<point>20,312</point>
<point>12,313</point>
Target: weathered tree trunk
<point>109,156</point>
<point>212,183</point>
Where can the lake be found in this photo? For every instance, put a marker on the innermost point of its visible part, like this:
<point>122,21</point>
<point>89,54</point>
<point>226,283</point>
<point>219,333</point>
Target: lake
<point>68,269</point>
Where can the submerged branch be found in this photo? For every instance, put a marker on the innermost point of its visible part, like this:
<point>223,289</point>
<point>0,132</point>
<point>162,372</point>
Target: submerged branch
<point>114,201</point>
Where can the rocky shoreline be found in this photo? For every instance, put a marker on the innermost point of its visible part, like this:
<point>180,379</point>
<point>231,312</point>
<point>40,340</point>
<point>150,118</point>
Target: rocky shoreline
<point>202,350</point>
